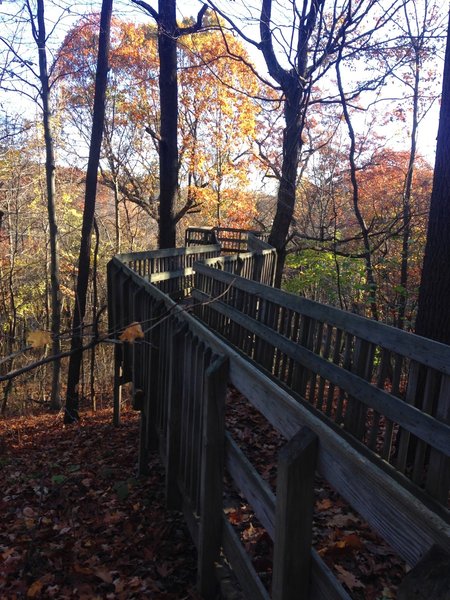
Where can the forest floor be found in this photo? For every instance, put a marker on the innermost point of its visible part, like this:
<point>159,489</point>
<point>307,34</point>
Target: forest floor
<point>76,523</point>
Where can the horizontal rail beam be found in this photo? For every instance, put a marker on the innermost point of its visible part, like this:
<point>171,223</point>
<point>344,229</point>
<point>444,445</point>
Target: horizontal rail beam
<point>430,430</point>
<point>361,481</point>
<point>423,350</point>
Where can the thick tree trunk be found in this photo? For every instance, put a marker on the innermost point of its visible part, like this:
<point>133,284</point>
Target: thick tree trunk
<point>41,39</point>
<point>292,142</point>
<point>433,317</point>
<point>72,398</point>
<point>168,146</point>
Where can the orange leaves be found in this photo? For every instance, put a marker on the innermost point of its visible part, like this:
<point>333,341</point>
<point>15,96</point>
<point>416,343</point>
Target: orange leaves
<point>132,333</point>
<point>35,588</point>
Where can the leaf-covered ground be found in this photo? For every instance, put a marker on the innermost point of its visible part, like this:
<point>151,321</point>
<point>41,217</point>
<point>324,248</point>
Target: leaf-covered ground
<point>366,566</point>
<point>75,521</point>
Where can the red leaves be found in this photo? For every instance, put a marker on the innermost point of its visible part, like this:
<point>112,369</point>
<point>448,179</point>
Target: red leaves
<point>76,524</point>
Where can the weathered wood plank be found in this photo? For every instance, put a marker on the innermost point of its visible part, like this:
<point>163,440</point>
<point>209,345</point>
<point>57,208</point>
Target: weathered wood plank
<point>324,585</point>
<point>211,512</point>
<point>241,564</point>
<point>167,253</point>
<point>294,514</point>
<point>426,351</point>
<point>173,448</point>
<point>438,476</point>
<point>251,484</point>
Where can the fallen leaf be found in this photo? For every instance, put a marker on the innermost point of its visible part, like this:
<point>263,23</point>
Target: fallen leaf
<point>349,579</point>
<point>353,541</point>
<point>82,570</point>
<point>324,504</point>
<point>340,520</point>
<point>104,575</point>
<point>35,588</point>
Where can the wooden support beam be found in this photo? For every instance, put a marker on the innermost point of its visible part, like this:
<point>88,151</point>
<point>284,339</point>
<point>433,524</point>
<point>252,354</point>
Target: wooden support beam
<point>210,532</point>
<point>173,495</point>
<point>293,517</point>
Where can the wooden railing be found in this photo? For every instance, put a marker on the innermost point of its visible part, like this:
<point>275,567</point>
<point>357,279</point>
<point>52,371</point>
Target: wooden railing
<point>169,269</point>
<point>199,236</point>
<point>380,385</point>
<point>257,266</point>
<point>276,354</point>
<point>231,239</point>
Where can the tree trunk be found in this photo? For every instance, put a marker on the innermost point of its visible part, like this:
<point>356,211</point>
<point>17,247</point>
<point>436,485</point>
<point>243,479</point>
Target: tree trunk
<point>433,317</point>
<point>292,143</point>
<point>370,275</point>
<point>41,39</point>
<point>168,145</point>
<point>72,398</point>
<point>406,233</point>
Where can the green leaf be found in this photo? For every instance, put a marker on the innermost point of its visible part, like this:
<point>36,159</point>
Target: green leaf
<point>58,479</point>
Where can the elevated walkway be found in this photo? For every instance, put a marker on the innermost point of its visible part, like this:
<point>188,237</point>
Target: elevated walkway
<point>364,404</point>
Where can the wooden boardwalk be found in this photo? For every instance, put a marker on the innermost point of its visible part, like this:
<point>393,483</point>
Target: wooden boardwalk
<point>363,404</point>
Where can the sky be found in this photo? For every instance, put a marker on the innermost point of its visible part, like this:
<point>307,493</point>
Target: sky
<point>396,132</point>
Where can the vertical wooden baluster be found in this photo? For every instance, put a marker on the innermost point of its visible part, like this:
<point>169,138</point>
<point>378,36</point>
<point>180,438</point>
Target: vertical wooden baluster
<point>438,476</point>
<point>211,514</point>
<point>294,515</point>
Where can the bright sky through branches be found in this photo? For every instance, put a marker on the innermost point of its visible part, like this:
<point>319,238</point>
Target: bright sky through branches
<point>61,15</point>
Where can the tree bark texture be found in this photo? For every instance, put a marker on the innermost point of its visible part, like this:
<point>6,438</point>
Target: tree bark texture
<point>50,167</point>
<point>292,141</point>
<point>295,86</point>
<point>168,145</point>
<point>433,317</point>
<point>101,79</point>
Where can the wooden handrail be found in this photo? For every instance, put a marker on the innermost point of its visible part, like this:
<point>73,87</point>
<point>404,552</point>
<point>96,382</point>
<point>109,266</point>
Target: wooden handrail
<point>418,348</point>
<point>399,517</point>
<point>169,367</point>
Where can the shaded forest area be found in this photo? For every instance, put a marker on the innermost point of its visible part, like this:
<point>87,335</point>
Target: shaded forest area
<point>78,524</point>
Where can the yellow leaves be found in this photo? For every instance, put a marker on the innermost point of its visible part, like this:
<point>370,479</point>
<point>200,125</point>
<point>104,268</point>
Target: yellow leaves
<point>131,333</point>
<point>39,339</point>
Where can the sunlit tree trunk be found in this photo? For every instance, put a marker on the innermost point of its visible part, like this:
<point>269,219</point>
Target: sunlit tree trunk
<point>41,39</point>
<point>168,145</point>
<point>168,33</point>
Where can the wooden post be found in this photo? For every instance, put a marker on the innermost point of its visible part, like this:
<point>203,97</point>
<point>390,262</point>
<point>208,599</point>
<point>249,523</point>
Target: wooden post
<point>173,496</point>
<point>113,325</point>
<point>258,267</point>
<point>117,399</point>
<point>438,477</point>
<point>293,518</point>
<point>211,515</point>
